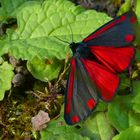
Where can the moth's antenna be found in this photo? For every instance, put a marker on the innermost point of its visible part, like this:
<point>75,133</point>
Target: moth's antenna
<point>71,32</point>
<point>61,40</point>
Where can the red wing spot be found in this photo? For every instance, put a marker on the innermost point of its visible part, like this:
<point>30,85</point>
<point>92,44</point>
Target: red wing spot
<point>133,20</point>
<point>75,119</point>
<point>91,103</point>
<point>129,38</point>
<point>123,17</point>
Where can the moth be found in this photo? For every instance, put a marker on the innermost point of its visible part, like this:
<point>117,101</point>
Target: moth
<point>95,65</point>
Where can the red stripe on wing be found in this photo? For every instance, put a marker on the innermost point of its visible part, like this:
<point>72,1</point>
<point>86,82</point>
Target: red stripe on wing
<point>107,82</point>
<point>70,87</point>
<point>107,27</point>
<point>115,59</point>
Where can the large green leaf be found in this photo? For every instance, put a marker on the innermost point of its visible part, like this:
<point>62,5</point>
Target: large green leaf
<point>123,112</point>
<point>132,133</point>
<point>38,24</point>
<point>97,127</point>
<point>6,75</point>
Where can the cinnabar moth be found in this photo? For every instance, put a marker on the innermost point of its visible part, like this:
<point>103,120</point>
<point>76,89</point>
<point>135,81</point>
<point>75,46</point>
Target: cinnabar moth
<point>95,63</point>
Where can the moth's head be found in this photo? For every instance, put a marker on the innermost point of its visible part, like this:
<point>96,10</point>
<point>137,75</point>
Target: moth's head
<point>73,46</point>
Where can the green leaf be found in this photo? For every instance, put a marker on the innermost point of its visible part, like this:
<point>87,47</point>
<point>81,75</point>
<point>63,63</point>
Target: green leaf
<point>1,60</point>
<point>138,10</point>
<point>59,130</point>
<point>138,55</point>
<point>125,81</point>
<point>3,47</point>
<point>44,70</point>
<point>102,106</point>
<point>123,112</point>
<point>136,99</point>
<point>67,136</point>
<point>125,7</point>
<point>10,7</point>
<point>97,127</point>
<point>6,75</point>
<point>132,133</point>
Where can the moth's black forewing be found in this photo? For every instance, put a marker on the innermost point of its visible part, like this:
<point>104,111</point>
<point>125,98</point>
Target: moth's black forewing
<point>116,35</point>
<point>83,90</point>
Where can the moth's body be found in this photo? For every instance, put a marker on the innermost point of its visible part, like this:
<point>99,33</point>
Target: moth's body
<point>80,50</point>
